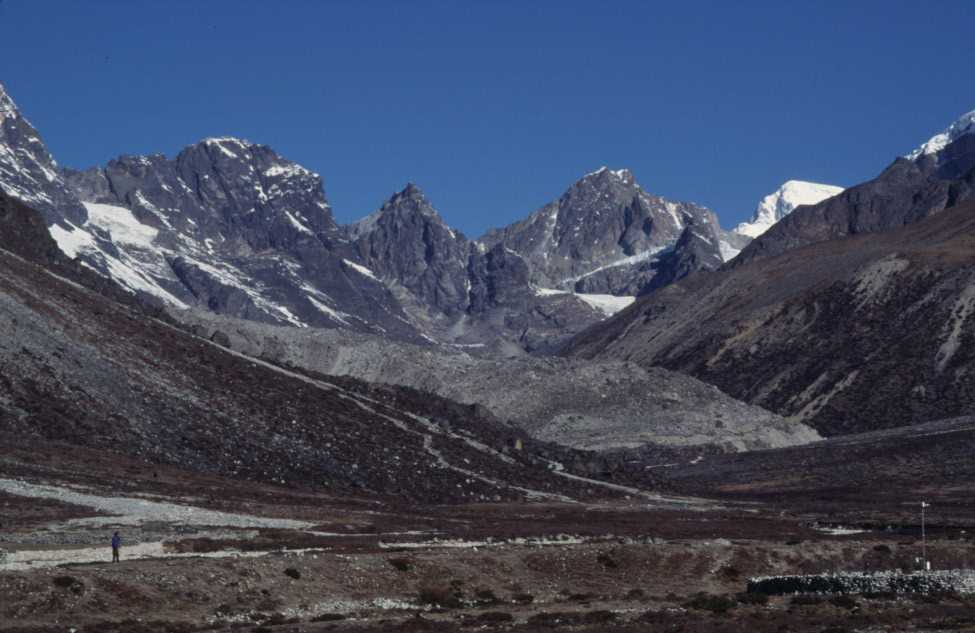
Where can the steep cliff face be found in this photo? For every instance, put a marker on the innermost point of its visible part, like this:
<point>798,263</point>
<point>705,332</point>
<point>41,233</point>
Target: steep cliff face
<point>408,243</point>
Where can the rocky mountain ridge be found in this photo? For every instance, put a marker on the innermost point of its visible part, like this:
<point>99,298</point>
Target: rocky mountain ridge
<point>233,227</point>
<point>850,315</point>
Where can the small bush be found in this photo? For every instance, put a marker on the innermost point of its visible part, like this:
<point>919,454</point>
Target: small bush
<point>883,549</point>
<point>65,581</point>
<point>291,572</point>
<point>328,617</point>
<point>753,598</point>
<point>636,594</point>
<point>712,603</point>
<point>554,619</point>
<point>486,597</point>
<point>607,561</point>
<point>69,582</point>
<point>401,564</point>
<point>523,598</point>
<point>439,595</point>
<point>489,618</point>
<point>582,597</point>
<point>730,572</point>
<point>843,602</point>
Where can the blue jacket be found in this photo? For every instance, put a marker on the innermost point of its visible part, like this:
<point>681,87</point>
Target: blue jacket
<point>116,541</point>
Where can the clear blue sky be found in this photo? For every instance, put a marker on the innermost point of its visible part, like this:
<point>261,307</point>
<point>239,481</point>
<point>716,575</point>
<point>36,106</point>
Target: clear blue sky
<point>494,108</point>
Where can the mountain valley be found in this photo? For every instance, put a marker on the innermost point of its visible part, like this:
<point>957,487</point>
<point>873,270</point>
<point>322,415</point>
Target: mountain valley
<point>611,415</point>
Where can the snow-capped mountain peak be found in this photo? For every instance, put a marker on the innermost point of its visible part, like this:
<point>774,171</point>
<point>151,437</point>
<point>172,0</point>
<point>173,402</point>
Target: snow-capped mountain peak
<point>782,201</point>
<point>964,125</point>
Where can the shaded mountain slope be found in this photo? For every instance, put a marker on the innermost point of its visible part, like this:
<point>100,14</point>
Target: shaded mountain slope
<point>863,476</point>
<point>867,332</point>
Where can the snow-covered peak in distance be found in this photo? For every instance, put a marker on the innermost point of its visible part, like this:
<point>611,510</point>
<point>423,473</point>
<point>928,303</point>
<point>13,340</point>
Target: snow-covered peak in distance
<point>964,125</point>
<point>781,202</point>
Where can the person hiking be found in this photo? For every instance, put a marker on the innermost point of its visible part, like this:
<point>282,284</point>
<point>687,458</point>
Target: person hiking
<point>116,544</point>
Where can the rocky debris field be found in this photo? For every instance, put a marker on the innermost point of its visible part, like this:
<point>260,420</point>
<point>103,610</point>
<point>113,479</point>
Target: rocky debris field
<point>583,404</point>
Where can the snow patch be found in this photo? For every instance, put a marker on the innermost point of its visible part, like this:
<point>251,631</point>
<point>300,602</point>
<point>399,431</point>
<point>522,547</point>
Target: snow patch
<point>72,241</point>
<point>642,256</point>
<point>359,268</point>
<point>121,224</point>
<point>286,171</point>
<point>295,222</point>
<point>727,251</point>
<point>607,304</point>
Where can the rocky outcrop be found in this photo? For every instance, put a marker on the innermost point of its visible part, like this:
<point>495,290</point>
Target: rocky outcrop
<point>407,242</point>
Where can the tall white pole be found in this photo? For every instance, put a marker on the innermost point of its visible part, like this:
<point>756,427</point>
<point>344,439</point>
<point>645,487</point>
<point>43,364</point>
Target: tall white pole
<point>924,542</point>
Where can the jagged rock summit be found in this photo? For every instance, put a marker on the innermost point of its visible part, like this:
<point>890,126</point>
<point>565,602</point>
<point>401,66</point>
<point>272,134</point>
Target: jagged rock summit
<point>408,244</point>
